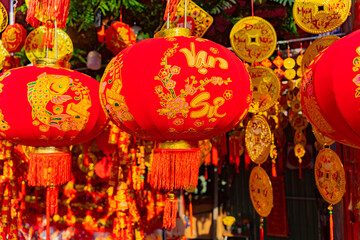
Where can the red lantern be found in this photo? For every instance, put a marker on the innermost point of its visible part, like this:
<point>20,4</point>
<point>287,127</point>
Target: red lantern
<point>50,108</point>
<point>175,88</point>
<point>331,91</point>
<point>119,36</point>
<point>13,38</point>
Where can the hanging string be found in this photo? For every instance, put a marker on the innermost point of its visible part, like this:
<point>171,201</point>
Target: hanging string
<point>56,41</point>
<point>121,7</point>
<point>185,16</point>
<point>288,50</point>
<point>252,7</point>
<point>301,49</point>
<point>191,215</point>
<point>261,228</point>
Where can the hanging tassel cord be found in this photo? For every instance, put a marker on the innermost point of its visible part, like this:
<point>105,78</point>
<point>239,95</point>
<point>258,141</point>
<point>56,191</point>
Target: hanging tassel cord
<point>261,228</point>
<point>300,169</point>
<point>170,211</point>
<point>191,215</point>
<point>331,223</point>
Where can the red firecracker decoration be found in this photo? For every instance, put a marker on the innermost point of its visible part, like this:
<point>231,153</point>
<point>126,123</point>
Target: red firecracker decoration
<point>330,91</point>
<point>119,36</point>
<point>188,89</point>
<point>13,38</point>
<point>58,108</point>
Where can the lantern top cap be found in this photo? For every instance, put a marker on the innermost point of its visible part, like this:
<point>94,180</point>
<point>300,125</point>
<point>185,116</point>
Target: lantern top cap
<point>52,62</point>
<point>173,32</point>
<point>51,149</point>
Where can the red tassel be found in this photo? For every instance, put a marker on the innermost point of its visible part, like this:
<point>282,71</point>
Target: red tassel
<point>331,223</point>
<point>300,171</point>
<point>170,211</point>
<point>261,228</point>
<point>215,154</point>
<point>237,164</point>
<point>273,169</point>
<point>247,161</point>
<point>206,173</point>
<point>48,214</point>
<point>191,215</point>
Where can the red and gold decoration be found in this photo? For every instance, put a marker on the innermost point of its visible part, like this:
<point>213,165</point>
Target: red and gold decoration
<point>190,91</point>
<point>119,36</point>
<point>321,139</point>
<point>198,20</point>
<point>266,88</point>
<point>35,47</point>
<point>58,107</point>
<point>13,38</point>
<point>3,55</point>
<point>330,91</point>
<point>253,39</point>
<point>47,12</point>
<point>315,48</point>
<point>261,194</point>
<point>320,16</point>
<point>3,17</point>
<point>330,179</point>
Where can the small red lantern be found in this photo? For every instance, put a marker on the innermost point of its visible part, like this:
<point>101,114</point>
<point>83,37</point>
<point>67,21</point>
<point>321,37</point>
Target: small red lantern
<point>50,108</point>
<point>184,88</point>
<point>330,91</point>
<point>13,38</point>
<point>119,36</point>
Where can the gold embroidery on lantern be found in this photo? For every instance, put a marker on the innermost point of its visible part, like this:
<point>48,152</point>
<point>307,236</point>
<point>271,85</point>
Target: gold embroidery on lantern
<point>201,60</point>
<point>356,80</point>
<point>3,124</point>
<point>207,109</point>
<point>313,110</point>
<point>50,88</point>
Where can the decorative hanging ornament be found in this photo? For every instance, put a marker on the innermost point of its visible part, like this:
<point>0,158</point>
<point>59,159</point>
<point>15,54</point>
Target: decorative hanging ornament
<point>315,48</point>
<point>330,91</point>
<point>13,38</point>
<point>266,88</point>
<point>321,138</point>
<point>253,39</point>
<point>93,60</point>
<point>198,20</point>
<point>258,139</point>
<point>330,180</point>
<point>3,17</point>
<point>261,192</point>
<point>3,54</point>
<point>35,47</point>
<point>119,36</point>
<point>320,16</point>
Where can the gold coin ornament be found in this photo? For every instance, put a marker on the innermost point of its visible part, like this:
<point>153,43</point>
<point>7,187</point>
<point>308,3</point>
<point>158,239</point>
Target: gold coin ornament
<point>34,48</point>
<point>289,63</point>
<point>299,59</point>
<point>253,39</point>
<point>315,48</point>
<point>321,138</point>
<point>258,139</point>
<point>3,54</point>
<point>266,88</point>
<point>330,176</point>
<point>290,73</point>
<point>198,20</point>
<point>3,17</point>
<point>320,16</point>
<point>261,192</point>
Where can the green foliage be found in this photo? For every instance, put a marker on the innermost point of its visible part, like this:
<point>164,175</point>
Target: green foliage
<point>285,2</point>
<point>289,25</point>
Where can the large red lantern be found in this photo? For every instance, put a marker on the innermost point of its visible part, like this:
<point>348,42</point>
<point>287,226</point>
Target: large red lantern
<point>13,38</point>
<point>50,108</point>
<point>119,36</point>
<point>330,91</point>
<point>175,88</point>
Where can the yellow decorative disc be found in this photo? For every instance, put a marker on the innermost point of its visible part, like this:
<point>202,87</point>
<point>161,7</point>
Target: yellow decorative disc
<point>290,74</point>
<point>253,39</point>
<point>321,138</point>
<point>266,88</point>
<point>315,48</point>
<point>330,176</point>
<point>261,192</point>
<point>258,139</point>
<point>35,50</point>
<point>320,16</point>
<point>299,59</point>
<point>289,63</point>
<point>202,19</point>
<point>299,73</point>
<point>3,17</point>
<point>3,54</point>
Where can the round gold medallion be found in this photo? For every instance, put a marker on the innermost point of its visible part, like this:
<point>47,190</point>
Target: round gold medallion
<point>266,88</point>
<point>34,48</point>
<point>289,63</point>
<point>258,139</point>
<point>261,192</point>
<point>299,59</point>
<point>290,73</point>
<point>320,16</point>
<point>3,54</point>
<point>253,39</point>
<point>3,17</point>
<point>321,138</point>
<point>330,176</point>
<point>315,48</point>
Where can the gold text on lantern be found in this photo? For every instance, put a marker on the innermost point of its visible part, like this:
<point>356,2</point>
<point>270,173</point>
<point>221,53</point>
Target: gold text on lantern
<point>202,60</point>
<point>207,109</point>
